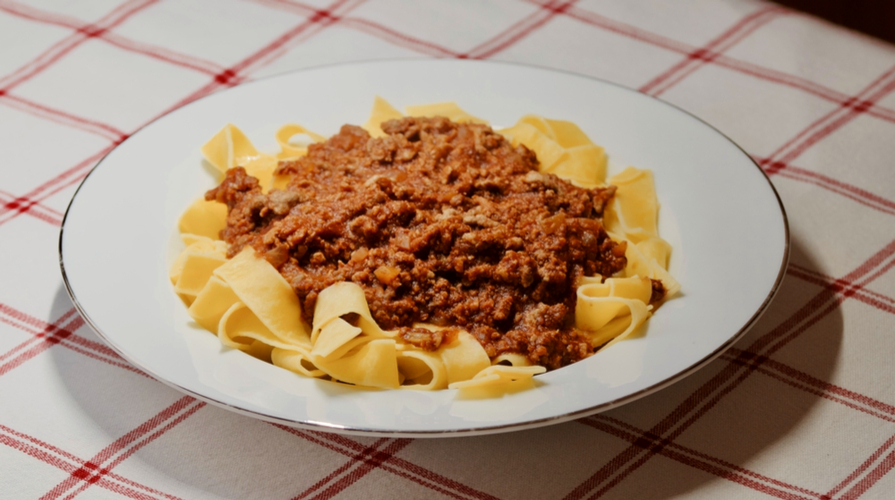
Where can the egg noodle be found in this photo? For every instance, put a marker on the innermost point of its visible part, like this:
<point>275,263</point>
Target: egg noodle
<point>248,304</point>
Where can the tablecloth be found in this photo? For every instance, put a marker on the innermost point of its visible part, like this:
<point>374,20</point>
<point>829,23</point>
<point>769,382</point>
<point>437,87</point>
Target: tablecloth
<point>803,407</point>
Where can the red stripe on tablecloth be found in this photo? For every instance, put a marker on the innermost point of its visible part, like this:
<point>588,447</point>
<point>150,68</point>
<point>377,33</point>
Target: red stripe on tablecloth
<point>35,452</point>
<point>96,468</point>
<point>54,221</point>
<point>837,186</point>
<point>518,30</point>
<point>872,477</point>
<point>63,184</point>
<point>62,334</point>
<point>48,210</point>
<point>394,465</point>
<point>29,324</point>
<point>369,27</point>
<point>358,467</point>
<point>724,469</point>
<point>319,20</point>
<point>852,103</point>
<point>397,38</point>
<point>370,462</point>
<point>72,341</point>
<point>730,37</point>
<point>94,346</point>
<point>78,171</point>
<point>59,333</point>
<point>699,460</point>
<point>623,29</point>
<point>705,397</point>
<point>69,463</point>
<point>607,24</point>
<point>784,333</point>
<point>808,380</point>
<point>231,76</point>
<point>23,204</point>
<point>347,446</point>
<point>162,54</point>
<point>801,380</point>
<point>66,45</point>
<point>833,294</point>
<point>40,328</point>
<point>228,77</point>
<point>155,52</point>
<point>47,458</point>
<point>91,354</point>
<point>869,297</point>
<point>49,337</point>
<point>94,127</point>
<point>356,459</point>
<point>829,123</point>
<point>743,67</point>
<point>136,447</point>
<point>822,183</point>
<point>699,396</point>
<point>29,320</point>
<point>787,370</point>
<point>816,89</point>
<point>775,167</point>
<point>432,480</point>
<point>53,451</point>
<point>37,210</point>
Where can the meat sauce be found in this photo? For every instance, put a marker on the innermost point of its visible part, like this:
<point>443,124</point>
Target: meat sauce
<point>439,223</point>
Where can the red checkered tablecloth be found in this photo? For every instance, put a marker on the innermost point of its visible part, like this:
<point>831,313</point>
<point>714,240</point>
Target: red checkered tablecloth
<point>802,408</point>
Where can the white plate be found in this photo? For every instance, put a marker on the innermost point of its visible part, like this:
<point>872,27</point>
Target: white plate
<point>719,211</point>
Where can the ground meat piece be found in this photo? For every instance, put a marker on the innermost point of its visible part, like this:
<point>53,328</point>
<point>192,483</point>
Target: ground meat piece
<point>438,222</point>
<point>249,210</point>
<point>427,339</point>
<point>658,292</point>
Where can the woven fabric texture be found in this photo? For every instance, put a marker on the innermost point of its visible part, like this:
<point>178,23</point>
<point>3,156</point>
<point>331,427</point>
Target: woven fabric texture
<point>803,407</point>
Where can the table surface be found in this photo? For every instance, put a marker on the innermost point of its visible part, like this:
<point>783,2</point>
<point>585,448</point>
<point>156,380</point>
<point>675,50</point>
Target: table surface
<point>802,407</point>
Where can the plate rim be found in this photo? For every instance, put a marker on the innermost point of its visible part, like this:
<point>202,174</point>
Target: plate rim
<point>470,431</point>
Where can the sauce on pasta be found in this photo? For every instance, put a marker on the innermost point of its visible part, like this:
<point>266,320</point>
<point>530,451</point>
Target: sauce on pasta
<point>438,222</point>
<point>422,252</point>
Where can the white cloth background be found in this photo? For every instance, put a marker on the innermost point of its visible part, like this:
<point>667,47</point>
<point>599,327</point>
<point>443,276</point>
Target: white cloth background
<point>803,407</point>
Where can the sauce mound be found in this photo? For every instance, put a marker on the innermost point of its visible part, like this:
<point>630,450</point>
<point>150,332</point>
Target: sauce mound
<point>439,222</point>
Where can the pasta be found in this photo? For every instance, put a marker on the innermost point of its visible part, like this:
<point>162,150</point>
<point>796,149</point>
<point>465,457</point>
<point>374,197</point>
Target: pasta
<point>251,307</point>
